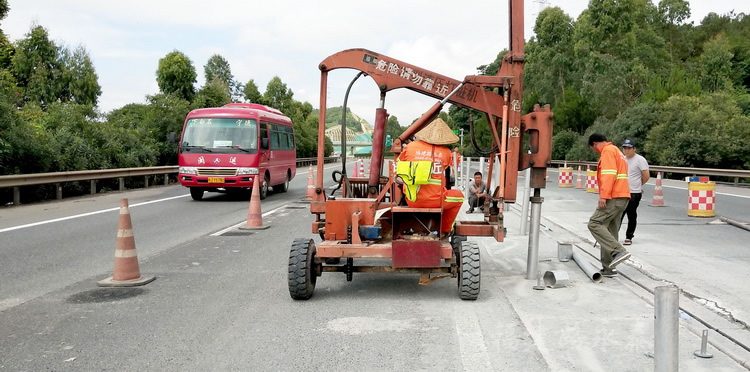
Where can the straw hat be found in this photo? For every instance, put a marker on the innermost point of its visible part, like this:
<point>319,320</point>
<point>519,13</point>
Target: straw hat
<point>437,133</point>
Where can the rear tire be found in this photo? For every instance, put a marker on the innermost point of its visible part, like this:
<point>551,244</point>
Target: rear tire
<point>469,271</point>
<point>284,187</point>
<point>264,187</point>
<point>196,193</point>
<point>302,269</point>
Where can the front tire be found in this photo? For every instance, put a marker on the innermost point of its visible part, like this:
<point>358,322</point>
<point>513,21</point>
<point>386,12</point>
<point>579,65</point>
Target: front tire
<point>469,271</point>
<point>302,269</point>
<point>196,193</point>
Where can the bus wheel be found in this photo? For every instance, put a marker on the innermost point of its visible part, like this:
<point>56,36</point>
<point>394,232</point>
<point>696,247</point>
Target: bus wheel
<point>264,187</point>
<point>196,193</point>
<point>284,186</point>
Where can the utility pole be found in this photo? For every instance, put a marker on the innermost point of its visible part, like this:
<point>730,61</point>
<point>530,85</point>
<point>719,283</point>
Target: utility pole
<point>461,130</point>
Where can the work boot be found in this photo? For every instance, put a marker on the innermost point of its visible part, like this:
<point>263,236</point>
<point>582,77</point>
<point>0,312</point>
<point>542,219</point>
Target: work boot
<point>470,211</point>
<point>609,273</point>
<point>619,258</point>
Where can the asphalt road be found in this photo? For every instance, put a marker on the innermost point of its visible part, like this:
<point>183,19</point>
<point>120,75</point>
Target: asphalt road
<point>221,302</point>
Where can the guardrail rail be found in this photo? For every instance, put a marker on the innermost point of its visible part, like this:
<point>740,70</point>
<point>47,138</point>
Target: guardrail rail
<point>16,181</point>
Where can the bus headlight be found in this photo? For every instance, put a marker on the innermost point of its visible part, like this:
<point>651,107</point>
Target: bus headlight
<point>247,170</point>
<point>187,170</point>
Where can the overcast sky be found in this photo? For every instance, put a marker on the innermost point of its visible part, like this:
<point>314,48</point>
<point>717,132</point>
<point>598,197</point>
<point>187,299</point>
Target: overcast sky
<point>126,39</point>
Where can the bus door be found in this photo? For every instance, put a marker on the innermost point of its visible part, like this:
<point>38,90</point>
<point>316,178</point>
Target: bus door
<point>265,151</point>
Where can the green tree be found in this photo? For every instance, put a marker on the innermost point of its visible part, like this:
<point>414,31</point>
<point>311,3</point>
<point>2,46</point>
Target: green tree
<point>213,94</point>
<point>550,56</point>
<point>37,68</point>
<point>716,65</point>
<point>278,96</point>
<point>176,75</point>
<point>217,68</point>
<point>708,132</point>
<point>252,94</point>
<point>80,77</point>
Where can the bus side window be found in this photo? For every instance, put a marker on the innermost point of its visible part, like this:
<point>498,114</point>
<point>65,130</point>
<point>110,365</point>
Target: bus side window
<point>273,129</point>
<point>263,136</point>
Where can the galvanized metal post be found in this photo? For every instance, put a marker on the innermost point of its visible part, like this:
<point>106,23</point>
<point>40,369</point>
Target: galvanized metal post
<point>481,166</point>
<point>58,191</point>
<point>122,184</point>
<point>145,182</point>
<point>16,195</point>
<point>93,187</point>
<point>166,179</point>
<point>525,204</point>
<point>536,214</point>
<point>468,175</point>
<point>666,328</point>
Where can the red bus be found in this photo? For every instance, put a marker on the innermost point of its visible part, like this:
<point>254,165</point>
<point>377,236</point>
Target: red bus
<point>225,148</point>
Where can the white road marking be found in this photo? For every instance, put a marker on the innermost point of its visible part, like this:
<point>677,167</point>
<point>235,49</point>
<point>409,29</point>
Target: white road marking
<point>104,211</point>
<point>716,192</point>
<point>474,355</point>
<point>220,232</point>
<point>86,214</point>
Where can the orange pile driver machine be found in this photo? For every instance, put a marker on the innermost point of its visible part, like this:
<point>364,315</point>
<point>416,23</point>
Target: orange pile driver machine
<point>369,222</point>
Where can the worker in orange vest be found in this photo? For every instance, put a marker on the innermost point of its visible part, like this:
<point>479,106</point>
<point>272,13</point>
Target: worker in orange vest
<point>427,157</point>
<point>614,194</point>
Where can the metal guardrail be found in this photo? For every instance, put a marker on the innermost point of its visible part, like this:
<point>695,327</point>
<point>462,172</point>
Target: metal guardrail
<point>16,181</point>
<point>729,173</point>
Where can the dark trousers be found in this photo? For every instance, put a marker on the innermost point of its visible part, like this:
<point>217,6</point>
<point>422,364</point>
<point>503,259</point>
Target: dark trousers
<point>632,213</point>
<point>475,202</point>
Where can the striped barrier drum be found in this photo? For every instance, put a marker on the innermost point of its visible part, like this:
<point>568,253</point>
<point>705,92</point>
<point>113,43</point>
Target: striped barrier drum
<point>591,184</point>
<point>565,177</point>
<point>701,199</point>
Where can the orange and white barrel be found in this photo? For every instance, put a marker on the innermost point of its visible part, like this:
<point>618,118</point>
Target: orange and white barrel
<point>701,199</point>
<point>565,177</point>
<point>591,184</point>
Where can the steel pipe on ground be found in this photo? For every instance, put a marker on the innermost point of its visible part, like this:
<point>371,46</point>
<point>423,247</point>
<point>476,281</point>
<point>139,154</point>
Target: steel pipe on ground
<point>587,267</point>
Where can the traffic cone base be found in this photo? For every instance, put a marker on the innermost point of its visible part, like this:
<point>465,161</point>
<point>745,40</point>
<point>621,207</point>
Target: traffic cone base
<point>126,272</point>
<point>254,216</point>
<point>110,282</point>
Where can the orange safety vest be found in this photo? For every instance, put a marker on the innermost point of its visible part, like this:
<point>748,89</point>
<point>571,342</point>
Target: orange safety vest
<point>423,151</point>
<point>612,173</point>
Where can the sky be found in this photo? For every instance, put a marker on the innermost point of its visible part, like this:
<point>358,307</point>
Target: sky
<point>288,39</point>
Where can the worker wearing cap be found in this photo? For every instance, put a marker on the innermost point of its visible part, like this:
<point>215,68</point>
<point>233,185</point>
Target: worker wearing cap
<point>638,175</point>
<point>421,167</point>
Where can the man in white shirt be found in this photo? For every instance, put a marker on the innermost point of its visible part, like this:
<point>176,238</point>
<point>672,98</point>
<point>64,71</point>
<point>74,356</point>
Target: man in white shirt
<point>477,193</point>
<point>638,175</point>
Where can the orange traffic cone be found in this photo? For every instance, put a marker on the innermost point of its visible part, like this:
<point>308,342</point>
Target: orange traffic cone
<point>658,200</point>
<point>254,215</point>
<point>579,181</point>
<point>126,272</point>
<point>310,185</point>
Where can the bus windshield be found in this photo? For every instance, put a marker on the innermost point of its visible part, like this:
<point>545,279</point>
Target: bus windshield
<point>223,135</point>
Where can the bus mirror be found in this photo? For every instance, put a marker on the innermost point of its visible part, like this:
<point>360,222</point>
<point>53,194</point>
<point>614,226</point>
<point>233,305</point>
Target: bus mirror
<point>264,143</point>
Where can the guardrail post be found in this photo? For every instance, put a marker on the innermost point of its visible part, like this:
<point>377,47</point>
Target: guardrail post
<point>122,184</point>
<point>93,187</point>
<point>16,195</point>
<point>736,182</point>
<point>58,191</point>
<point>666,328</point>
<point>145,182</point>
<point>166,179</point>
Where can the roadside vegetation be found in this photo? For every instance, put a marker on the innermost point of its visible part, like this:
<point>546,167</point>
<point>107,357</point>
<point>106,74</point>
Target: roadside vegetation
<point>633,69</point>
<point>626,68</point>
